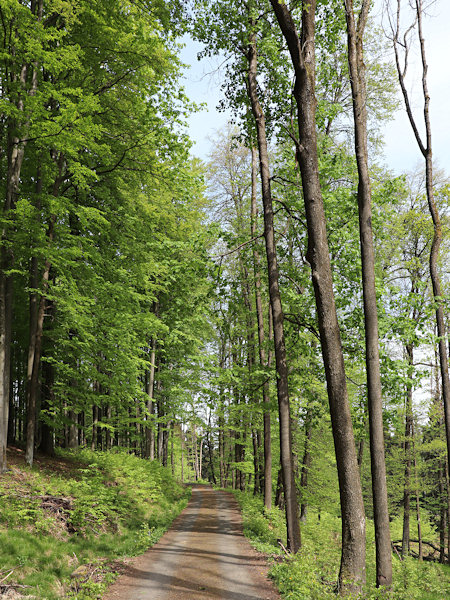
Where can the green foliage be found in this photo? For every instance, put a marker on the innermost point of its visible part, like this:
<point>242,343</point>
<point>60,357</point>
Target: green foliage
<point>119,506</point>
<point>312,573</point>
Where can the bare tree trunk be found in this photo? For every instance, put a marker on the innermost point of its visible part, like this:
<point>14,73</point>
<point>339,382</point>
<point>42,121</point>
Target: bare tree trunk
<point>261,341</point>
<point>150,432</point>
<point>416,476</point>
<point>47,445</point>
<point>443,513</point>
<point>290,492</point>
<point>182,453</point>
<point>73,430</point>
<point>378,464</point>
<point>94,427</point>
<point>34,382</point>
<point>39,324</point>
<point>306,464</point>
<point>210,450</point>
<point>408,461</point>
<point>200,468</point>
<point>195,453</point>
<point>352,572</point>
<point>426,151</point>
<point>15,152</point>
<point>108,434</point>
<point>221,453</point>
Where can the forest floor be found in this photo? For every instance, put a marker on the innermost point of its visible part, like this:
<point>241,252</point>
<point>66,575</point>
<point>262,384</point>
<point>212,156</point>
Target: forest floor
<point>203,555</point>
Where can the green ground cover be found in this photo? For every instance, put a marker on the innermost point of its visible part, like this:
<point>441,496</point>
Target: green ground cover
<point>313,572</point>
<point>66,524</point>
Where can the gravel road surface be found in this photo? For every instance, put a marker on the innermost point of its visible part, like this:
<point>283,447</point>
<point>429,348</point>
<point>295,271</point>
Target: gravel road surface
<point>203,556</point>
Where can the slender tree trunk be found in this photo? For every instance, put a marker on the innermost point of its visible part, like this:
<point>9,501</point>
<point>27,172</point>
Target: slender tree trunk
<point>290,492</point>
<point>416,477</point>
<point>257,483</point>
<point>39,329</point>
<point>47,445</point>
<point>182,453</point>
<point>378,464</point>
<point>34,382</point>
<point>150,431</point>
<point>306,464</point>
<point>210,450</point>
<point>108,434</point>
<point>200,468</point>
<point>73,430</point>
<point>94,426</point>
<point>426,151</point>
<point>279,492</point>
<point>15,153</point>
<point>443,513</point>
<point>261,342</point>
<point>408,461</point>
<point>195,453</point>
<point>172,435</point>
<point>352,573</point>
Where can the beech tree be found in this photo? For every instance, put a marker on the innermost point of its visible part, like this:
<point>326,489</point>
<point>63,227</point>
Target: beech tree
<point>301,49</point>
<point>355,31</point>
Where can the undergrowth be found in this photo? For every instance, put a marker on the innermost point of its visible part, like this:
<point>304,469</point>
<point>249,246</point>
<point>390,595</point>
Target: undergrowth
<point>62,533</point>
<point>313,572</point>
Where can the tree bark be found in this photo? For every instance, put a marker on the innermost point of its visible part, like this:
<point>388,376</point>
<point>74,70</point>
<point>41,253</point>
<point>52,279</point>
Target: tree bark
<point>261,341</point>
<point>378,464</point>
<point>15,153</point>
<point>426,151</point>
<point>352,572</point>
<point>150,432</point>
<point>286,459</point>
<point>36,343</point>
<point>408,461</point>
<point>306,464</point>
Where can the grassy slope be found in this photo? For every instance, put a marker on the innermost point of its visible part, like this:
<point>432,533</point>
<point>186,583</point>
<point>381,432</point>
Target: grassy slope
<point>312,574</point>
<point>80,512</point>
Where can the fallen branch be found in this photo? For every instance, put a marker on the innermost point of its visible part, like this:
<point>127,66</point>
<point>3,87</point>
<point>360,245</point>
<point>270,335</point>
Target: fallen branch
<point>282,546</point>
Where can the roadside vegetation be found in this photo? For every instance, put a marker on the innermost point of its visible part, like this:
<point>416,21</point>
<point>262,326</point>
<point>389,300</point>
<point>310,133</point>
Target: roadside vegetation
<point>311,574</point>
<point>67,524</point>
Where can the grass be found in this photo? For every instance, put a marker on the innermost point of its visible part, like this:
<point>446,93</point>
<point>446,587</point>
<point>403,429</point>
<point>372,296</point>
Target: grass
<point>82,512</point>
<point>313,572</point>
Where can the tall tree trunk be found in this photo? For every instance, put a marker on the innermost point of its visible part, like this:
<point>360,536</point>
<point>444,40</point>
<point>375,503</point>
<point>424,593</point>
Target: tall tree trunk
<point>73,429</point>
<point>150,431</point>
<point>108,434</point>
<point>182,453</point>
<point>47,445</point>
<point>306,464</point>
<point>15,153</point>
<point>94,427</point>
<point>210,450</point>
<point>290,492</point>
<point>416,477</point>
<point>39,328</point>
<point>378,464</point>
<point>442,513</point>
<point>426,151</point>
<point>261,342</point>
<point>408,461</point>
<point>352,572</point>
<point>34,381</point>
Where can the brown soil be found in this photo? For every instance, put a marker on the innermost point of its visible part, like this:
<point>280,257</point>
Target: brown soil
<point>203,556</point>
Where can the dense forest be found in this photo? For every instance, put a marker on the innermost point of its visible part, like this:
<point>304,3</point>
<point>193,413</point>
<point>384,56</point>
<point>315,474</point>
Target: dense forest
<point>273,319</point>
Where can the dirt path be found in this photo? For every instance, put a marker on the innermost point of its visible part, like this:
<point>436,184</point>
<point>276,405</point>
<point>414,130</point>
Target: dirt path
<point>203,556</point>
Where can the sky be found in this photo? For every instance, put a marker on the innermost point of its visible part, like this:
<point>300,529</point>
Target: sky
<point>203,79</point>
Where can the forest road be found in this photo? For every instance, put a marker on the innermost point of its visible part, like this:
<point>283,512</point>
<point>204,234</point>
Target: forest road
<point>204,555</point>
